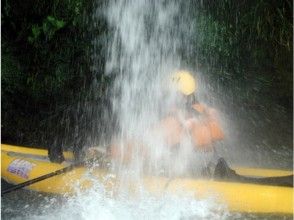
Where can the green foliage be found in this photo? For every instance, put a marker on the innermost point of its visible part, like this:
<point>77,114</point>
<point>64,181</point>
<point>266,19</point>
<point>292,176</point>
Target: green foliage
<point>48,28</point>
<point>46,63</point>
<point>13,85</point>
<point>248,44</point>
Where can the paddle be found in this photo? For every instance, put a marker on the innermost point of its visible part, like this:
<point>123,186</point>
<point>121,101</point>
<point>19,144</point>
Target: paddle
<point>40,178</point>
<point>222,172</point>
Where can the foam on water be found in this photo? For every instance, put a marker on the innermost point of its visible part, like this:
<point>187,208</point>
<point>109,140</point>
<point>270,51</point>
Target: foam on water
<point>97,204</point>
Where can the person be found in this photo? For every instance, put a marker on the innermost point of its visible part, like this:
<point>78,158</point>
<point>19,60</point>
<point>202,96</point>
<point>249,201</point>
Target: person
<point>201,121</point>
<point>190,119</point>
<point>187,117</point>
<point>202,124</point>
<point>80,126</point>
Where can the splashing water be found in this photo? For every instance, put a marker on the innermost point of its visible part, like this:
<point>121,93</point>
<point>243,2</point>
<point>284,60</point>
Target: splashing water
<point>96,204</point>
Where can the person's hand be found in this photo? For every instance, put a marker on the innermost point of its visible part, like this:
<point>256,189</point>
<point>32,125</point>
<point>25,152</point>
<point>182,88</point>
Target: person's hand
<point>201,108</point>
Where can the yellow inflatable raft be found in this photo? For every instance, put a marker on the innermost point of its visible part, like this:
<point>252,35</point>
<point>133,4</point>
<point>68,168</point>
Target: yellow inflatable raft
<point>20,164</point>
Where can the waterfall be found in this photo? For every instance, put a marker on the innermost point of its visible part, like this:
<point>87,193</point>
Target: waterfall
<point>146,47</point>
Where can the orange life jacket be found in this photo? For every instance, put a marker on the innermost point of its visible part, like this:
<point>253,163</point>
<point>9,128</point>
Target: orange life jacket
<point>204,129</point>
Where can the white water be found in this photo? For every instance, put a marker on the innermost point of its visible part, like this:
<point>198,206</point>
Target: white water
<point>97,205</point>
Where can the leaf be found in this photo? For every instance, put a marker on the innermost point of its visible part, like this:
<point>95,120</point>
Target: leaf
<point>55,22</point>
<point>36,30</point>
<point>45,27</point>
<point>30,39</point>
<point>60,24</point>
<point>51,19</point>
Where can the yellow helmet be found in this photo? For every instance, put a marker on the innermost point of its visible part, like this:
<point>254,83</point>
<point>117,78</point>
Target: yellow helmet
<point>184,82</point>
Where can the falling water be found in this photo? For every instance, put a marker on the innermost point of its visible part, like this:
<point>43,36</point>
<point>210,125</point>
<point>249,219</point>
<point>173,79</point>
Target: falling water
<point>149,38</point>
